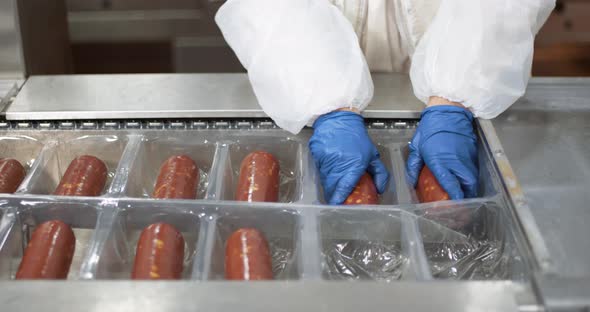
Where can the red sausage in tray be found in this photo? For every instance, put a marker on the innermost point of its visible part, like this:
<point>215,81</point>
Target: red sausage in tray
<point>365,192</point>
<point>159,254</point>
<point>259,178</point>
<point>247,256</point>
<point>428,189</point>
<point>12,174</point>
<point>86,176</point>
<point>178,178</point>
<point>49,252</point>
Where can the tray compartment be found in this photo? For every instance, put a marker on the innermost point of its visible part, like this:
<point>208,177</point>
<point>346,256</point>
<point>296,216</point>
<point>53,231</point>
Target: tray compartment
<point>470,240</point>
<point>154,150</point>
<point>363,245</point>
<point>22,219</point>
<point>56,158</point>
<point>116,246</point>
<point>24,148</point>
<point>285,149</point>
<point>389,197</point>
<point>281,227</point>
<point>489,183</point>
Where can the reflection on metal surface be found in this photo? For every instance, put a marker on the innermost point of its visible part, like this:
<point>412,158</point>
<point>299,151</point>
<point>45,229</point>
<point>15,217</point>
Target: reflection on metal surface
<point>175,96</point>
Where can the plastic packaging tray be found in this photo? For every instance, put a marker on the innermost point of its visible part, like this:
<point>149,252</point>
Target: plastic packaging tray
<point>397,240</point>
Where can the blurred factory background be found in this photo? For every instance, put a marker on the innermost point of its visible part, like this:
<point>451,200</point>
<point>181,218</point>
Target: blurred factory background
<point>147,36</point>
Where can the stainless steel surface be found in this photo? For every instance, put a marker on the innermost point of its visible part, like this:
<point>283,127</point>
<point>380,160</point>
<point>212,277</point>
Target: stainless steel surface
<point>261,296</point>
<point>11,57</point>
<point>175,96</point>
<point>517,198</point>
<point>565,294</point>
<point>545,136</point>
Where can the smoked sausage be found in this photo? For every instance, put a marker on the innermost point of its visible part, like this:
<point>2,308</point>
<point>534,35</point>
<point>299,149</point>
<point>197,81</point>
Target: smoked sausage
<point>247,256</point>
<point>12,174</point>
<point>178,178</point>
<point>365,192</point>
<point>259,178</point>
<point>49,252</point>
<point>159,254</point>
<point>86,176</point>
<point>428,188</point>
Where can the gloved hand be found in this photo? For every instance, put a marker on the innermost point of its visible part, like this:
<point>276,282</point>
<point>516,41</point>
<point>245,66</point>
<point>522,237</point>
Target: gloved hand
<point>445,141</point>
<point>343,152</point>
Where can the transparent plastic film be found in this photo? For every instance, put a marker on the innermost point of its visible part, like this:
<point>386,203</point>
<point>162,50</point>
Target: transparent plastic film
<point>467,241</point>
<point>365,260</point>
<point>362,245</point>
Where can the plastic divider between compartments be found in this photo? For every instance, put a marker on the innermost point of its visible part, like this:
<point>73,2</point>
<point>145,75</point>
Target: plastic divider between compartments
<point>7,222</point>
<point>36,168</point>
<point>219,175</point>
<point>405,192</point>
<point>104,226</point>
<point>412,244</point>
<point>310,180</point>
<point>205,243</point>
<point>310,257</point>
<point>121,178</point>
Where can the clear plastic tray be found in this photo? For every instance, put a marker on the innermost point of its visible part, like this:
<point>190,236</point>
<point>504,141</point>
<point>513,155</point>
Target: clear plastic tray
<point>396,241</point>
<point>57,155</point>
<point>24,148</point>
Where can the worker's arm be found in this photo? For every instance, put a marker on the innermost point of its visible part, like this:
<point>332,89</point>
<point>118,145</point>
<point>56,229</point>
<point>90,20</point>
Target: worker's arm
<point>302,56</point>
<point>478,53</point>
<point>473,61</point>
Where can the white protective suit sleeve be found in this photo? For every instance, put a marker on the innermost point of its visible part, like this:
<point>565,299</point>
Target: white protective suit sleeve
<point>303,57</point>
<point>479,53</point>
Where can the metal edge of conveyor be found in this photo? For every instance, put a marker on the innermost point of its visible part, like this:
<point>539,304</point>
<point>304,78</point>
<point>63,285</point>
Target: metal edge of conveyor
<point>518,199</point>
<point>258,296</point>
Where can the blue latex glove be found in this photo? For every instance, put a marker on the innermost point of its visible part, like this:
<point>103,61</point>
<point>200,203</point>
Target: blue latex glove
<point>445,141</point>
<point>343,152</point>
